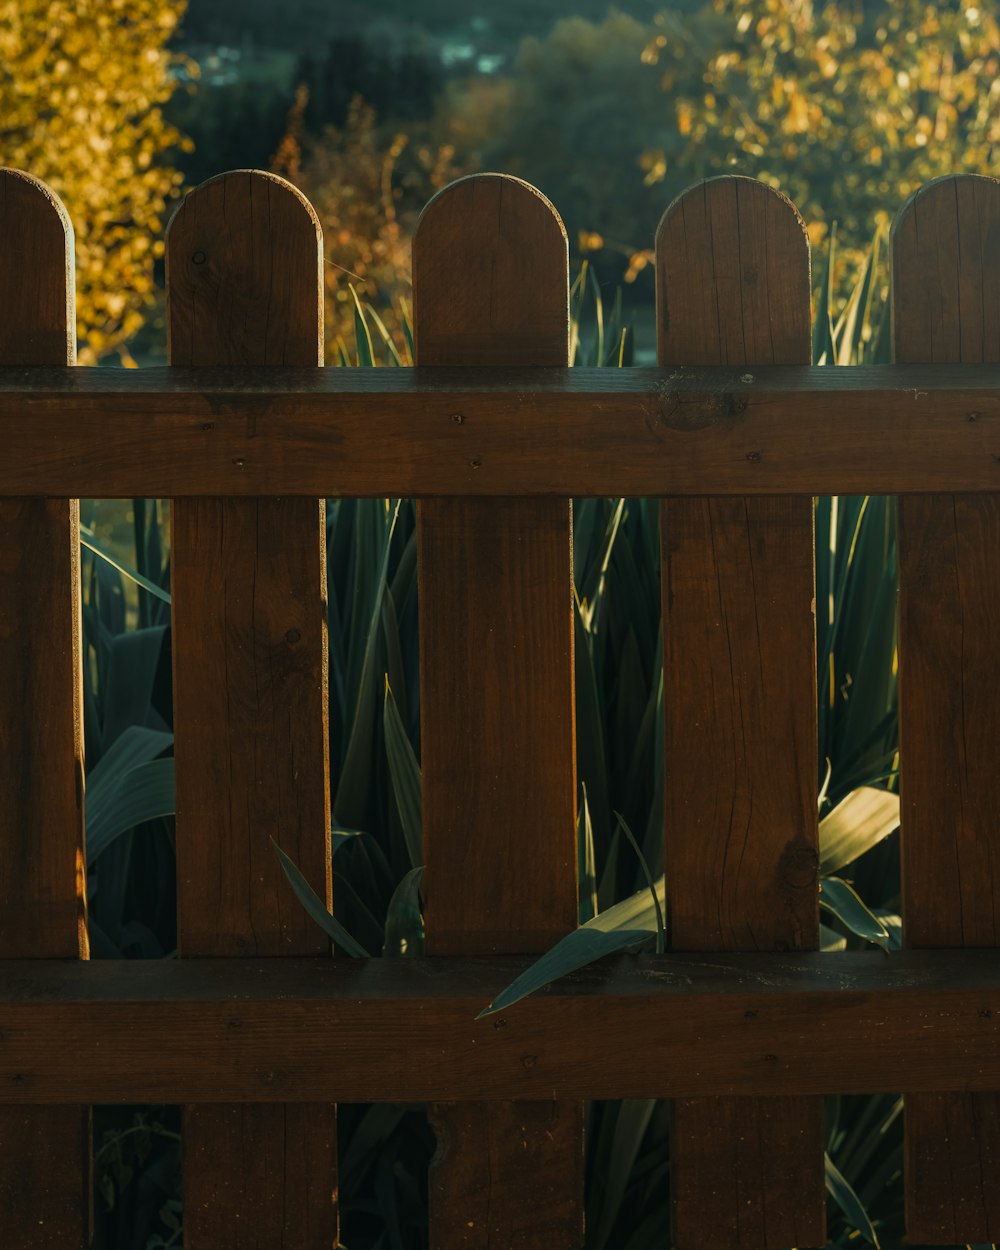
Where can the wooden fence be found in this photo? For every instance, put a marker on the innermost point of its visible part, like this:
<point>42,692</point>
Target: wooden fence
<point>744,1024</point>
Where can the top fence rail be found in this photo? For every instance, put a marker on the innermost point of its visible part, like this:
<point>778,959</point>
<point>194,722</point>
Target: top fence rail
<point>780,429</point>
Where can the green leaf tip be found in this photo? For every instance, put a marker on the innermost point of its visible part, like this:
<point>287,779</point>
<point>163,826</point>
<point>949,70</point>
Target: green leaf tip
<point>316,909</point>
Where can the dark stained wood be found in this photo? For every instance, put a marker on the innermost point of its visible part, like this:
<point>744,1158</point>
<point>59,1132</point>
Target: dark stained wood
<point>255,1200</point>
<point>46,1183</point>
<point>245,282</point>
<point>696,431</point>
<point>740,705</point>
<point>533,1156</point>
<point>946,310</point>
<point>491,287</point>
<point>740,1157</point>
<point>497,731</point>
<point>44,1152</point>
<point>960,1132</point>
<point>847,981</point>
<point>405,1031</point>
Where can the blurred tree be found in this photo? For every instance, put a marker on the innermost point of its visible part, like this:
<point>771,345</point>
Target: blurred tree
<point>574,117</point>
<point>368,188</point>
<point>233,125</point>
<point>845,108</point>
<point>81,84</point>
<point>399,80</point>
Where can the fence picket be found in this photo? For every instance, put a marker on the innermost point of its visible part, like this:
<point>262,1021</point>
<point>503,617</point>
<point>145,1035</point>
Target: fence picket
<point>245,287</point>
<point>946,309</point>
<point>740,705</point>
<point>490,278</point>
<point>45,1152</point>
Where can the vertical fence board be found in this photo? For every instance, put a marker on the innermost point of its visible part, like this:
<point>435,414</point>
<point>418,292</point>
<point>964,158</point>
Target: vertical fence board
<point>946,309</point>
<point>740,706</point>
<point>44,1151</point>
<point>490,283</point>
<point>244,266</point>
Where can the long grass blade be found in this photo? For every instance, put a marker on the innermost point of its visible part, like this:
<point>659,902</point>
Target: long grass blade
<point>627,926</point>
<point>405,774</point>
<point>842,900</point>
<point>311,901</point>
<point>849,1202</point>
<point>88,540</point>
<point>859,822</point>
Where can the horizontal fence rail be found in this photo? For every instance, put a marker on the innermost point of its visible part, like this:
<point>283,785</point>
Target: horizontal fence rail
<point>405,1031</point>
<point>742,1024</point>
<point>779,429</point>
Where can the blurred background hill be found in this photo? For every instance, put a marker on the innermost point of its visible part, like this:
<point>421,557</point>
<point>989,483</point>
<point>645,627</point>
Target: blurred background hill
<point>296,24</point>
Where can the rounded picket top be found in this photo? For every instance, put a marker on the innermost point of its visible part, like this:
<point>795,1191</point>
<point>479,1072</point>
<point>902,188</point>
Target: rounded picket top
<point>37,274</point>
<point>732,277</point>
<point>490,276</point>
<point>244,264</point>
<point>945,263</point>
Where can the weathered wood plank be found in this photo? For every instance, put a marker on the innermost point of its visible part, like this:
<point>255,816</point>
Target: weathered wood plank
<point>245,282</point>
<point>749,1159</point>
<point>254,1200</point>
<point>491,287</point>
<point>740,705</point>
<point>45,1153</point>
<point>532,1154</point>
<point>549,432</point>
<point>696,395</point>
<point>946,309</point>
<point>405,1031</point>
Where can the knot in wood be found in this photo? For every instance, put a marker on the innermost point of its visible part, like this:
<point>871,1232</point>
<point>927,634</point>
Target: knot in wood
<point>798,866</point>
<point>683,411</point>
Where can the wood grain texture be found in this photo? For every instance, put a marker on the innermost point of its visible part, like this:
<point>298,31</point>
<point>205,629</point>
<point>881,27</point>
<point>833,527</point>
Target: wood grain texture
<point>46,1156</point>
<point>740,706</point>
<point>532,1153</point>
<point>44,1152</point>
<point>701,430</point>
<point>740,1157</point>
<point>272,1166</point>
<point>406,1031</point>
<point>491,287</point>
<point>946,309</point>
<point>245,282</point>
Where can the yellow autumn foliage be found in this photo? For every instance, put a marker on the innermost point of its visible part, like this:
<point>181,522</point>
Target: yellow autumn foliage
<point>368,187</point>
<point>81,85</point>
<point>846,108</point>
